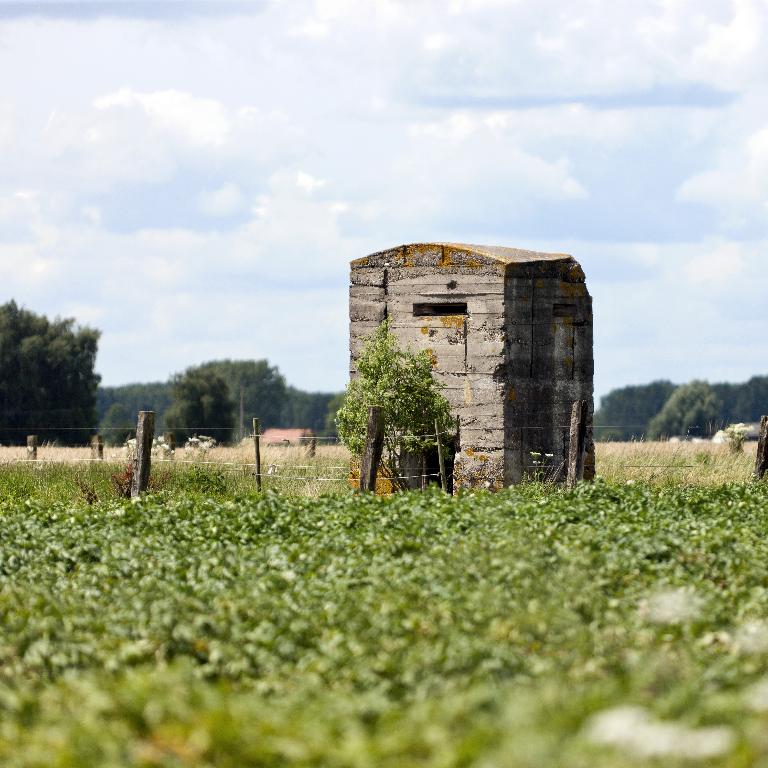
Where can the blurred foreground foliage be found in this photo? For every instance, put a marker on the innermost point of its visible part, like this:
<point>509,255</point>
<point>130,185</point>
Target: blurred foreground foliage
<point>418,630</point>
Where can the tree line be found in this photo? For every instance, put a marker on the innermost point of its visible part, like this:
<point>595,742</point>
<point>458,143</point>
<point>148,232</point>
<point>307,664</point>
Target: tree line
<point>663,409</point>
<point>210,398</point>
<point>49,387</point>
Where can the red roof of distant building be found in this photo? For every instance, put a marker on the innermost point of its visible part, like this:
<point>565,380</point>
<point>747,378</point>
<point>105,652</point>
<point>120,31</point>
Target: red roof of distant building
<point>278,436</point>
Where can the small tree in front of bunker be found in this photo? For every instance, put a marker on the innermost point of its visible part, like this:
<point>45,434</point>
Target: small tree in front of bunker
<point>400,381</point>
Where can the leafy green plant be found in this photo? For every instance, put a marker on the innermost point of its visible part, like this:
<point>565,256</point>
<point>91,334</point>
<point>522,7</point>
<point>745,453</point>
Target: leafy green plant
<point>205,480</point>
<point>401,383</point>
<point>524,628</point>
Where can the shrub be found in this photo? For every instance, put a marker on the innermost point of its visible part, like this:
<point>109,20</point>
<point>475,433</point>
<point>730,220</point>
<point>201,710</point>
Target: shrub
<point>400,381</point>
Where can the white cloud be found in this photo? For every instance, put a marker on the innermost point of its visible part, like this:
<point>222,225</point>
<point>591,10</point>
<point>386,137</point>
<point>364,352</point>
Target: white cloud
<point>223,201</point>
<point>436,41</point>
<point>308,183</point>
<point>201,122</point>
<point>717,265</point>
<point>731,43</point>
<point>738,183</point>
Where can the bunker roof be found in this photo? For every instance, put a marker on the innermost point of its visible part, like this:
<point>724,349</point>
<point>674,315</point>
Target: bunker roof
<point>496,253</point>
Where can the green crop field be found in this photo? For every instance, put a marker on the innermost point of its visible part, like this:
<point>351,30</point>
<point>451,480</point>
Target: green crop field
<point>613,625</point>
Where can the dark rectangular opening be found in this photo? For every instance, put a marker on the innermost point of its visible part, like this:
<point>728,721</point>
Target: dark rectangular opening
<point>564,310</point>
<point>439,310</point>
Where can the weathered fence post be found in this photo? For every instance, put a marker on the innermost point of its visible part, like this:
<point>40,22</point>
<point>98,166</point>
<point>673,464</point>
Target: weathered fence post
<point>32,447</point>
<point>142,460</point>
<point>761,460</point>
<point>577,443</point>
<point>311,447</point>
<point>257,451</point>
<point>97,448</point>
<point>374,445</point>
<point>441,458</point>
<point>169,438</point>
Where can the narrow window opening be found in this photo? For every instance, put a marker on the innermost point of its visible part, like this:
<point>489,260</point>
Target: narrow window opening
<point>564,310</point>
<point>439,310</point>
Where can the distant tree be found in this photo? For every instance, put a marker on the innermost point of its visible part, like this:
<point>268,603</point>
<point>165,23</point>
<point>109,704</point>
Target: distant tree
<point>692,409</point>
<point>153,396</point>
<point>47,378</point>
<point>401,382</point>
<point>117,424</point>
<point>201,405</point>
<point>262,386</point>
<point>626,412</point>
<point>330,417</point>
<point>308,409</point>
<point>743,402</point>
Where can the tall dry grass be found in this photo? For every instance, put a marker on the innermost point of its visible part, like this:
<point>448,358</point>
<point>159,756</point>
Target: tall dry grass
<point>291,468</point>
<point>686,463</point>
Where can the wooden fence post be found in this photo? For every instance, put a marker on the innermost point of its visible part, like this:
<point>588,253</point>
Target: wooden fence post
<point>374,444</point>
<point>97,448</point>
<point>577,443</point>
<point>170,440</point>
<point>311,447</point>
<point>257,451</point>
<point>441,458</point>
<point>142,460</point>
<point>32,447</point>
<point>761,460</point>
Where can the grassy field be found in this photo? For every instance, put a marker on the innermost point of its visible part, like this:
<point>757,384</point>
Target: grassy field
<point>608,626</point>
<point>68,473</point>
<point>622,624</point>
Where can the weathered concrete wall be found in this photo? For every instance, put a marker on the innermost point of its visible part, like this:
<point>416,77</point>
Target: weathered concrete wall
<point>512,366</point>
<point>550,364</point>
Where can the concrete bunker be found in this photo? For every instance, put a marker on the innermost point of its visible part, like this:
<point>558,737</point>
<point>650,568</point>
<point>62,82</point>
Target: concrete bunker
<point>510,332</point>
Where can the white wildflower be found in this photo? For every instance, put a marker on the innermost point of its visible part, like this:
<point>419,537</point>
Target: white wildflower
<point>752,637</point>
<point>633,729</point>
<point>672,606</point>
<point>757,696</point>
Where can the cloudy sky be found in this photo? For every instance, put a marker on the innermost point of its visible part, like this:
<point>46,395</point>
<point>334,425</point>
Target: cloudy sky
<point>193,177</point>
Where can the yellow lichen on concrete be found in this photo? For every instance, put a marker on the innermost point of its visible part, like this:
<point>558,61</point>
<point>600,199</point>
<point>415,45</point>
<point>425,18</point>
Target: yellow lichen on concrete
<point>425,329</point>
<point>432,357</point>
<point>573,290</point>
<point>573,271</point>
<point>445,260</point>
<point>453,321</point>
<point>470,451</point>
<point>384,486</point>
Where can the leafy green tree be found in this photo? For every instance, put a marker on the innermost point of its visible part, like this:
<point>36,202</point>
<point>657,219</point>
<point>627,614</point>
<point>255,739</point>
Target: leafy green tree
<point>201,405</point>
<point>401,382</point>
<point>692,409</point>
<point>117,424</point>
<point>743,402</point>
<point>47,378</point>
<point>626,412</point>
<point>334,404</point>
<point>153,396</point>
<point>308,409</point>
<point>263,389</point>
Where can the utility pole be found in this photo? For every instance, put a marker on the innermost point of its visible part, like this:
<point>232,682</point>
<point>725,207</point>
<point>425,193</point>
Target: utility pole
<point>242,421</point>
